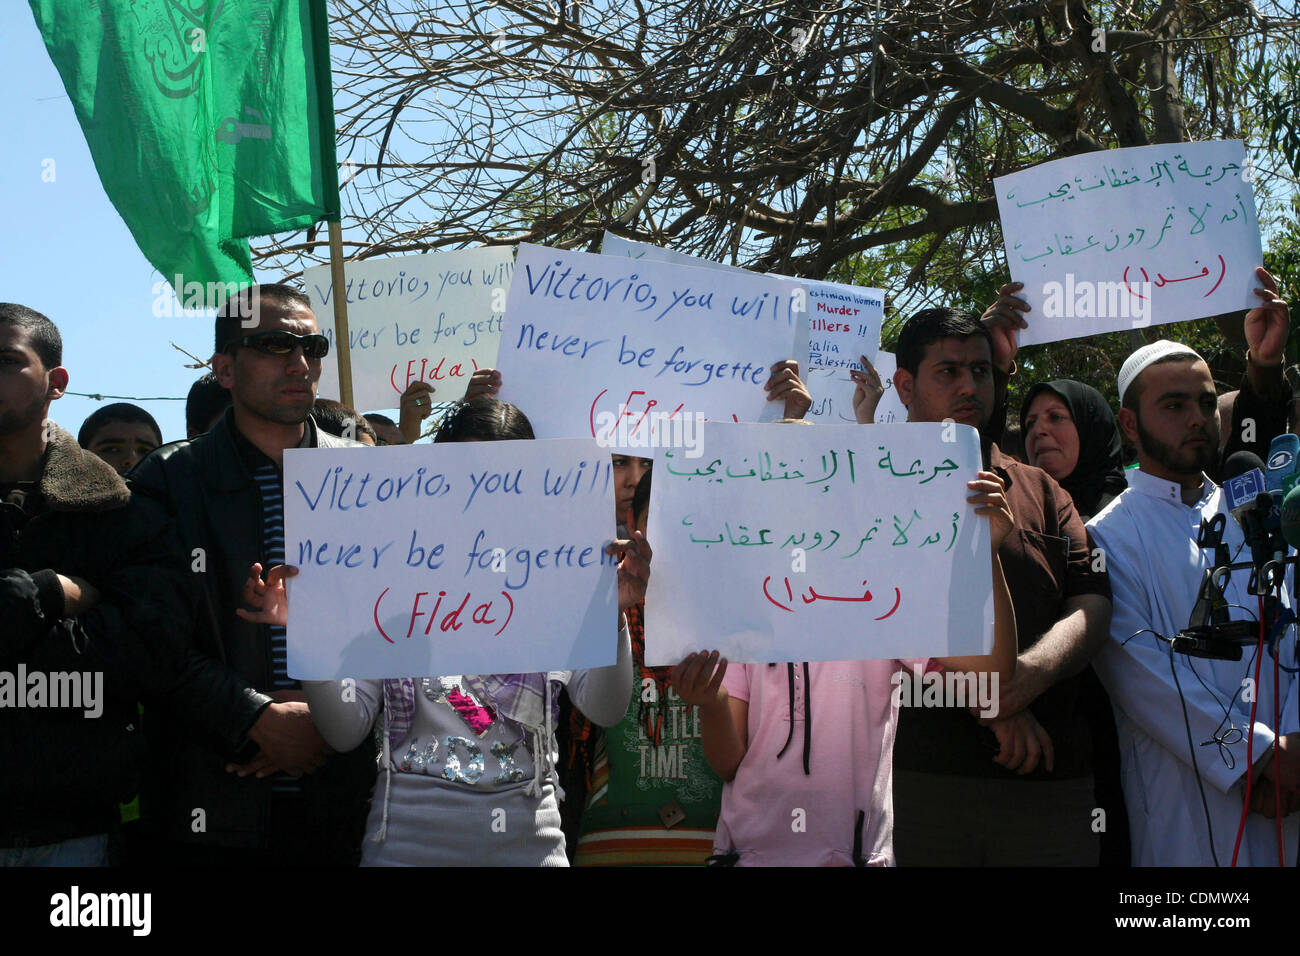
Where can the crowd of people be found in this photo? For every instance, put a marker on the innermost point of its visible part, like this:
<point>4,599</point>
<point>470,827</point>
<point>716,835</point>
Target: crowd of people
<point>154,573</point>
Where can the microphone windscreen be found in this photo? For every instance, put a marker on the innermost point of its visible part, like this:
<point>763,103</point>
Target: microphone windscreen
<point>1240,462</point>
<point>1291,517</point>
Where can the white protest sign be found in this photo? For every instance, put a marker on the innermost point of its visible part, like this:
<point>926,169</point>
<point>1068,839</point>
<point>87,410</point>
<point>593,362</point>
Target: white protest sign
<point>635,353</point>
<point>822,543</point>
<point>832,394</point>
<point>1125,238</point>
<point>612,245</point>
<point>459,558</point>
<point>433,318</point>
<point>843,324</point>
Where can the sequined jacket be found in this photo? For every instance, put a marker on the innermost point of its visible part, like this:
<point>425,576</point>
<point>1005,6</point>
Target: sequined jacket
<point>70,747</point>
<point>215,506</point>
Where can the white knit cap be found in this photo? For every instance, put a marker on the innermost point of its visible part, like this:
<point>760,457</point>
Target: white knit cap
<point>1147,355</point>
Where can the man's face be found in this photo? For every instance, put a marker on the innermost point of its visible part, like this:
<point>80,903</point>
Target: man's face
<point>26,386</point>
<point>276,388</point>
<point>954,380</point>
<point>1176,425</point>
<point>122,444</point>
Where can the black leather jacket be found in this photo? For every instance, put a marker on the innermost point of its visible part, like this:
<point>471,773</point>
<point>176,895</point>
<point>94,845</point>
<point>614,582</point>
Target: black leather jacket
<point>217,512</point>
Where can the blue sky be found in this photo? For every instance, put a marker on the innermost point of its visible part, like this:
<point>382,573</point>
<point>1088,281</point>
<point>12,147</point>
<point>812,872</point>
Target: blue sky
<point>65,251</point>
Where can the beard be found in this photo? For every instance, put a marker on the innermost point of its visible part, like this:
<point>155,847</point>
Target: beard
<point>1181,461</point>
<point>15,420</point>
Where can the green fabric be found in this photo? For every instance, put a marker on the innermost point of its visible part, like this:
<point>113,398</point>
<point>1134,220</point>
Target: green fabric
<point>644,777</point>
<point>209,121</point>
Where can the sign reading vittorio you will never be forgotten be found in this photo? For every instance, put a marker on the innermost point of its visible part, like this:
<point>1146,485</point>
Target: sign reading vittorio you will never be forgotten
<point>823,543</point>
<point>432,318</point>
<point>458,558</point>
<point>625,351</point>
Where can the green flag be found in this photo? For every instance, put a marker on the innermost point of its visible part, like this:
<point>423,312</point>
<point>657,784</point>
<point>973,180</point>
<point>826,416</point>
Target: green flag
<point>209,121</point>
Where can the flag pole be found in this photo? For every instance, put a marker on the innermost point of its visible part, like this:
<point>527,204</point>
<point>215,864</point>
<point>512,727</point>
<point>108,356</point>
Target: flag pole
<point>341,341</point>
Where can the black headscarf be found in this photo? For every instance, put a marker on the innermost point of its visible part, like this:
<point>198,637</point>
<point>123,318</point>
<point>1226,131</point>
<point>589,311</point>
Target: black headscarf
<point>1098,475</point>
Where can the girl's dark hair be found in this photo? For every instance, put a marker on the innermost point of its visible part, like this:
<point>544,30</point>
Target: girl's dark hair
<point>641,497</point>
<point>337,418</point>
<point>484,419</point>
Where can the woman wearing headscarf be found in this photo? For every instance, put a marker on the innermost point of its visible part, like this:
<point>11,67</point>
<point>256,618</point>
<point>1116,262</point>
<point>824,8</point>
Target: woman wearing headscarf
<point>1070,433</point>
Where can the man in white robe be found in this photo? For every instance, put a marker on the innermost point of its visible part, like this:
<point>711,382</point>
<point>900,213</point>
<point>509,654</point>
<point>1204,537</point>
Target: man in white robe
<point>1149,539</point>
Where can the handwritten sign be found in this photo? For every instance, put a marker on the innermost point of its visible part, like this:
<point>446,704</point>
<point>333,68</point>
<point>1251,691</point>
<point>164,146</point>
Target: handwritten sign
<point>461,558</point>
<point>832,394</point>
<point>432,318</point>
<point>795,543</point>
<point>632,353</point>
<point>843,320</point>
<point>1121,239</point>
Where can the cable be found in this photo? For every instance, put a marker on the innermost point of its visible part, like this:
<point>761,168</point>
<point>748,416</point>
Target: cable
<point>1250,737</point>
<point>1191,748</point>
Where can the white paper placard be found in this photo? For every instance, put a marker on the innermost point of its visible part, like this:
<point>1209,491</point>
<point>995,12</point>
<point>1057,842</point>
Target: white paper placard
<point>843,320</point>
<point>414,318</point>
<point>832,395</point>
<point>792,543</point>
<point>459,558</point>
<point>1124,238</point>
<point>632,352</point>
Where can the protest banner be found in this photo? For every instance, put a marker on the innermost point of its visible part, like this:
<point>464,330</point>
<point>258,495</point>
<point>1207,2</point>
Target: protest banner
<point>1126,238</point>
<point>788,543</point>
<point>460,558</point>
<point>843,320</point>
<point>433,318</point>
<point>832,394</point>
<point>637,353</point>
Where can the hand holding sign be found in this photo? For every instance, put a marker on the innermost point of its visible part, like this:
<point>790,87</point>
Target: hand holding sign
<point>268,599</point>
<point>1004,321</point>
<point>416,405</point>
<point>990,501</point>
<point>697,682</point>
<point>868,392</point>
<point>785,385</point>
<point>1267,325</point>
<point>633,569</point>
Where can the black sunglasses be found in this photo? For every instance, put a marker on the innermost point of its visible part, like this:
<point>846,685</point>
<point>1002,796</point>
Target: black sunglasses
<point>278,342</point>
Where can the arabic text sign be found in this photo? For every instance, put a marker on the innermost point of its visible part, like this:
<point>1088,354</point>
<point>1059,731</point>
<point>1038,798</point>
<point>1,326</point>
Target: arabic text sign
<point>433,318</point>
<point>1118,239</point>
<point>627,351</point>
<point>832,394</point>
<point>794,543</point>
<point>460,558</point>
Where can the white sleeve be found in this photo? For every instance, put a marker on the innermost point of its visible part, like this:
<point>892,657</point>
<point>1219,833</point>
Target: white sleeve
<point>344,711</point>
<point>1137,675</point>
<point>602,693</point>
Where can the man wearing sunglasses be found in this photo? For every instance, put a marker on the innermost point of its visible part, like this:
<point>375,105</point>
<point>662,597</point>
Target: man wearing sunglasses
<point>270,791</point>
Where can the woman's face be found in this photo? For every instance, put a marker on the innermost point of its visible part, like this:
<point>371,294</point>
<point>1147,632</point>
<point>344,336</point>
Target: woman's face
<point>1051,440</point>
<point>627,475</point>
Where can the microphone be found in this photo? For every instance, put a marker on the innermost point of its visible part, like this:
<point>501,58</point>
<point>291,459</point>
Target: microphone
<point>1291,517</point>
<point>1244,482</point>
<point>1258,511</point>
<point>1282,452</point>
